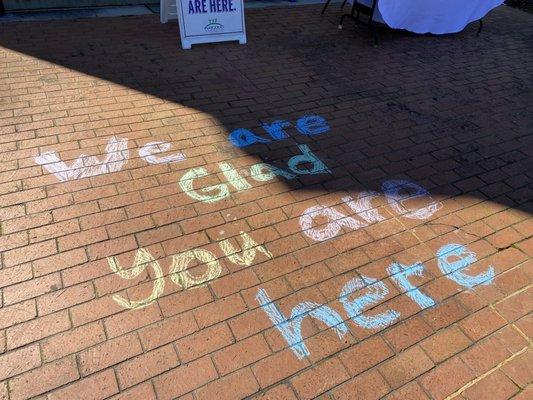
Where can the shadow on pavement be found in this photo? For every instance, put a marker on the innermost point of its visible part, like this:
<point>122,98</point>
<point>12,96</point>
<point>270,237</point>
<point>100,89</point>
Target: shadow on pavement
<point>450,112</point>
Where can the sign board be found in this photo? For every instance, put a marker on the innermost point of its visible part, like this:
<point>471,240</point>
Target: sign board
<point>206,21</point>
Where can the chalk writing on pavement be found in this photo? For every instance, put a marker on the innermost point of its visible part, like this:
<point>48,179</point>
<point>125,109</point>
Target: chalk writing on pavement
<point>397,192</point>
<point>360,293</point>
<point>179,273</point>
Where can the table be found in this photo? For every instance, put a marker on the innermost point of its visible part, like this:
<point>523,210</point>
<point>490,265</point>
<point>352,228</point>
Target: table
<point>421,16</point>
<point>433,16</point>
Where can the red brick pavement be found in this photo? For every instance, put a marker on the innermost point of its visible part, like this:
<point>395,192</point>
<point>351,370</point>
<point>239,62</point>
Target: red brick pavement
<point>449,113</point>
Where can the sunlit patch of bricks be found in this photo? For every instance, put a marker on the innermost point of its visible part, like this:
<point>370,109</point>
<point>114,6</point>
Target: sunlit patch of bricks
<point>305,216</point>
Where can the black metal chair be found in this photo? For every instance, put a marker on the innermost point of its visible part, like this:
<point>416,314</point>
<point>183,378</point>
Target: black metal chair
<point>325,5</point>
<point>362,9</point>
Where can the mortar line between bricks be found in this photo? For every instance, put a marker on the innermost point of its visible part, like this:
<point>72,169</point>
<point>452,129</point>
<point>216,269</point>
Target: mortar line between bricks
<point>479,378</point>
<point>115,374</point>
<point>518,292</point>
<point>124,311</point>
<point>512,294</point>
<point>406,171</point>
<point>406,227</point>
<point>520,332</point>
<point>287,380</point>
<point>317,197</point>
<point>512,324</point>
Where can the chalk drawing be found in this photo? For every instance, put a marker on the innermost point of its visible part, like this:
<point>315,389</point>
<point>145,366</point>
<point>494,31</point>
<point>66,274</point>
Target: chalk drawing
<point>141,260</point>
<point>85,166</point>
<point>393,191</point>
<point>291,328</point>
<point>179,273</point>
<point>263,172</point>
<point>182,277</point>
<point>249,250</point>
<point>117,154</point>
<point>244,137</point>
<point>400,273</point>
<point>308,125</point>
<point>276,129</point>
<point>336,220</point>
<point>300,164</point>
<point>363,208</point>
<point>311,125</point>
<point>186,183</point>
<point>148,153</point>
<point>453,258</point>
<point>307,157</point>
<point>233,177</point>
<point>376,291</point>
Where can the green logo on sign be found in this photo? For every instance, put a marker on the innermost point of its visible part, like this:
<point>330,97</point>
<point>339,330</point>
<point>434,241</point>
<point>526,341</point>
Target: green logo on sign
<point>214,26</point>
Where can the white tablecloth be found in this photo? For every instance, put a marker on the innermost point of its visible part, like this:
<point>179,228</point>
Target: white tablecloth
<point>431,16</point>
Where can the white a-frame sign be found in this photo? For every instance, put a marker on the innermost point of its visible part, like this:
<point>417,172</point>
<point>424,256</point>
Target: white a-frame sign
<point>206,21</point>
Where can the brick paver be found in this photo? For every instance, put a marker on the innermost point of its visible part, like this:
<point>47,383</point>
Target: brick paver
<point>370,238</point>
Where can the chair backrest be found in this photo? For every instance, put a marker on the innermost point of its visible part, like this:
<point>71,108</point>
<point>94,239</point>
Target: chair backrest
<point>168,10</point>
